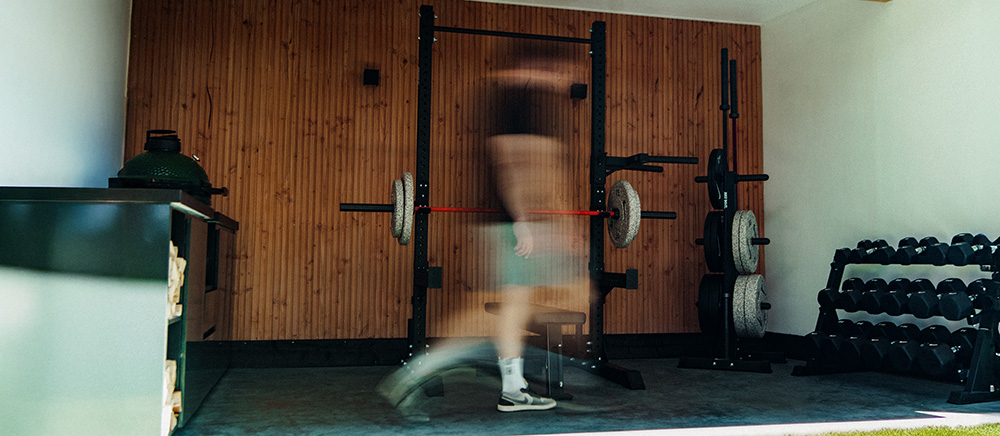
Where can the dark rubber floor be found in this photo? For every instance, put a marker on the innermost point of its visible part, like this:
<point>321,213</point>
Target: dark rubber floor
<point>342,401</point>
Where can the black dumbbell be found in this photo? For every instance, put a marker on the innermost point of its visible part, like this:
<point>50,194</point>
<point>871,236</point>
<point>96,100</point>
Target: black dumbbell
<point>851,351</point>
<point>966,249</point>
<point>959,305</point>
<point>935,334</point>
<point>843,346</point>
<point>943,358</point>
<point>928,250</point>
<point>896,300</point>
<point>863,329</point>
<point>877,251</point>
<point>824,347</point>
<point>924,303</point>
<point>874,352</point>
<point>902,355</point>
<point>902,332</point>
<point>875,293</point>
<point>847,298</point>
<point>871,298</point>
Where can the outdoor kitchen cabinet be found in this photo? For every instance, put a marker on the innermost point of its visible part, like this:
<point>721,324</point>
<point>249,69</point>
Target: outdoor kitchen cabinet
<point>85,324</point>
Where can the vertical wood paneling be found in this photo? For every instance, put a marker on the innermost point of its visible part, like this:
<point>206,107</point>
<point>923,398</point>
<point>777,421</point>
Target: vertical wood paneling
<point>269,95</point>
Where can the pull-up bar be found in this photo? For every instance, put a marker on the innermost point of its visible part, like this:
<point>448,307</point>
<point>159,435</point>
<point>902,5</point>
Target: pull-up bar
<point>512,34</point>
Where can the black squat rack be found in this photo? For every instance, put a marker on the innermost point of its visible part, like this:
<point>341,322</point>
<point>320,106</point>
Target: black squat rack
<point>602,165</point>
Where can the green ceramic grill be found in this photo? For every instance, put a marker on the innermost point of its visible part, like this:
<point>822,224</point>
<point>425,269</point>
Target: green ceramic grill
<point>163,166</point>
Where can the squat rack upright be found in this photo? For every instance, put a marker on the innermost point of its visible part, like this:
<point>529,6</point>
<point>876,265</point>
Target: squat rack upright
<point>601,165</point>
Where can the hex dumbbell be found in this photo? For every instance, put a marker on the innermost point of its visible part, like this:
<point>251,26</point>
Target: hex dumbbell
<point>829,346</point>
<point>896,301</point>
<point>943,358</point>
<point>876,291</point>
<point>966,249</point>
<point>847,298</point>
<point>928,250</point>
<point>855,336</point>
<point>958,305</point>
<point>902,355</point>
<point>902,332</point>
<point>877,251</point>
<point>925,303</point>
<point>874,352</point>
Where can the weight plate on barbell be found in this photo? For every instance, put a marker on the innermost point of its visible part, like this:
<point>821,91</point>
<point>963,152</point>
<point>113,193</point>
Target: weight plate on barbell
<point>396,196</point>
<point>744,252</point>
<point>408,193</point>
<point>710,303</point>
<point>624,225</point>
<point>712,242</point>
<point>749,314</point>
<point>716,178</point>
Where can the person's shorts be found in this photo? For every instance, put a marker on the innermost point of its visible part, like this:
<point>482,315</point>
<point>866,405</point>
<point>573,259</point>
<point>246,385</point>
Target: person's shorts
<point>550,268</point>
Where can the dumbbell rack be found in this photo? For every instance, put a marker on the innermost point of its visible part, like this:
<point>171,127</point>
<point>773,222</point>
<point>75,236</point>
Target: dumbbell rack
<point>981,378</point>
<point>722,190</point>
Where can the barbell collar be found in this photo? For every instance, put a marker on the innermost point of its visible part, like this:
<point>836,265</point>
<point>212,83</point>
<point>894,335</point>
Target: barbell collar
<point>701,179</point>
<point>760,241</point>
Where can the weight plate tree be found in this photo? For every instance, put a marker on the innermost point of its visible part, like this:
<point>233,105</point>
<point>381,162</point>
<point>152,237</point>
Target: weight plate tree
<point>732,304</point>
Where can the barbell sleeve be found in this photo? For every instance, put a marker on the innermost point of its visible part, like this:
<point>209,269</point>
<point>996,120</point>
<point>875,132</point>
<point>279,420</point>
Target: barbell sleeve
<point>365,207</point>
<point>658,215</point>
<point>752,178</point>
<point>760,241</point>
<point>673,160</point>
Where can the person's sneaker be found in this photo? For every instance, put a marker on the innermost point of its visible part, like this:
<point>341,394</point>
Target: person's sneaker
<point>524,400</point>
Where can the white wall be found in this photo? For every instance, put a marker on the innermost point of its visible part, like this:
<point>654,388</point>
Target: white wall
<point>62,91</point>
<point>881,120</point>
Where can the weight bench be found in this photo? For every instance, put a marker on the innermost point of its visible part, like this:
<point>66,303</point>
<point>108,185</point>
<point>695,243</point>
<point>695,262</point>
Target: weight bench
<point>547,322</point>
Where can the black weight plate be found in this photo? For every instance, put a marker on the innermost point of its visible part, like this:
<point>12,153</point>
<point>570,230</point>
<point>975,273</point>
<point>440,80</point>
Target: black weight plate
<point>716,178</point>
<point>710,303</point>
<point>713,243</point>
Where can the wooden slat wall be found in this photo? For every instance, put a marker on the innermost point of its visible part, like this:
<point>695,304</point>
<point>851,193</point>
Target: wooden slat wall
<point>269,95</point>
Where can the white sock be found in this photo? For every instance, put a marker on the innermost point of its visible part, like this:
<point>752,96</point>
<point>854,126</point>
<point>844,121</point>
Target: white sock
<point>512,375</point>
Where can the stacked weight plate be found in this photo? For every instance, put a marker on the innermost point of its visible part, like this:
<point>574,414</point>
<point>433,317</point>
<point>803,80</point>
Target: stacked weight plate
<point>731,253</point>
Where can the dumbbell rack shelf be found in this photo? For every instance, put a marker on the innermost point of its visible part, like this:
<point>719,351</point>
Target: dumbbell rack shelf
<point>981,379</point>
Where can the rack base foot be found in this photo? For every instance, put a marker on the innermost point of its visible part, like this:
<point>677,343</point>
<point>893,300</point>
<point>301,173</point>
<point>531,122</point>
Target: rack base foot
<point>963,397</point>
<point>628,378</point>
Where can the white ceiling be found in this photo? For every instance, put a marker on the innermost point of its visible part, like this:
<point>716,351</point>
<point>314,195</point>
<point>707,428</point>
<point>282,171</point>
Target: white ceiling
<point>729,11</point>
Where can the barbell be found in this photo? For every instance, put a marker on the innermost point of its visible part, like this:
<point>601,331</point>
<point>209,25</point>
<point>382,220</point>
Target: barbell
<point>623,212</point>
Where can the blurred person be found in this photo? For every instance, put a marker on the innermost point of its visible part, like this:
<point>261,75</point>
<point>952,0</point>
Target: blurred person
<point>529,166</point>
